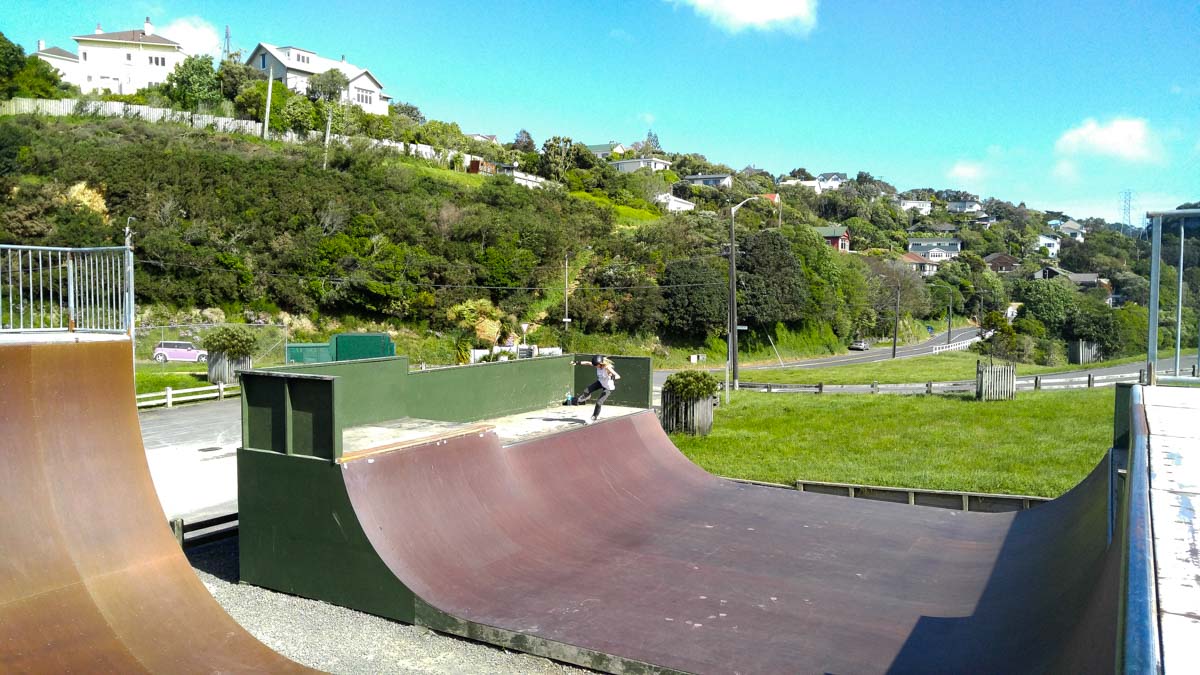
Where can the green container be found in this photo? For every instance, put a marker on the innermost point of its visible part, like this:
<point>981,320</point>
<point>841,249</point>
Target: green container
<point>309,352</point>
<point>354,346</point>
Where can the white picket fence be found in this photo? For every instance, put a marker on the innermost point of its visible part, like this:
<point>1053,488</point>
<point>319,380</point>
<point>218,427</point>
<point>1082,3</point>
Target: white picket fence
<point>69,106</point>
<point>169,397</point>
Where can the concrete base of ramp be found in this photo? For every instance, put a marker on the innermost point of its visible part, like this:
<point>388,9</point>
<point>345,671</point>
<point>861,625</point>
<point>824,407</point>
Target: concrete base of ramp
<point>605,547</point>
<point>90,578</point>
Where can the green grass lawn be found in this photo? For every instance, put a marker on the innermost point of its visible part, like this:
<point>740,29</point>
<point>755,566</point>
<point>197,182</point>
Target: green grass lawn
<point>155,378</point>
<point>1041,444</point>
<point>625,214</point>
<point>944,367</point>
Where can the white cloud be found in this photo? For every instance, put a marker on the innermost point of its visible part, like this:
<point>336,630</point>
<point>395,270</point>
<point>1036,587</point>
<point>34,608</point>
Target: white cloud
<point>795,16</point>
<point>648,118</point>
<point>1066,170</point>
<point>1125,138</point>
<point>966,171</point>
<point>195,35</point>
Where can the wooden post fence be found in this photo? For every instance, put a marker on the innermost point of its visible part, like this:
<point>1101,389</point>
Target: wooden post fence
<point>690,415</point>
<point>995,383</point>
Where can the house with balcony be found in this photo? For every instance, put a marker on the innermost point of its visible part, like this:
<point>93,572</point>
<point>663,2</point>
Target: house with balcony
<point>294,66</point>
<point>717,180</point>
<point>921,206</point>
<point>1049,243</point>
<point>121,62</point>
<point>964,207</point>
<point>935,249</point>
<point>919,264</point>
<point>631,165</point>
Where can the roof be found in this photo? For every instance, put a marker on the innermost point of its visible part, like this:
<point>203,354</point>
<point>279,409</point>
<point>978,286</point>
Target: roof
<point>911,257</point>
<point>57,52</point>
<point>138,36</point>
<point>316,63</point>
<point>831,232</point>
<point>999,256</point>
<point>604,147</point>
<point>641,159</point>
<point>1084,277</point>
<point>831,176</point>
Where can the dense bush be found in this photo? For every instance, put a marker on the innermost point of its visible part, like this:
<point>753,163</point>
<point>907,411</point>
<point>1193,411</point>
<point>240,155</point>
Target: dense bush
<point>234,341</point>
<point>690,384</point>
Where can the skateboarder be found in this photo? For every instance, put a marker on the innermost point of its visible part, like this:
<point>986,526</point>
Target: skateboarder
<point>606,382</point>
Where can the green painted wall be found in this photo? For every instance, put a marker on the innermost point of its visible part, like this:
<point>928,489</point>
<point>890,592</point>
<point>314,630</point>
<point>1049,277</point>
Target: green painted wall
<point>636,386</point>
<point>298,533</point>
<point>309,352</point>
<point>371,390</point>
<point>470,393</point>
<point>352,346</point>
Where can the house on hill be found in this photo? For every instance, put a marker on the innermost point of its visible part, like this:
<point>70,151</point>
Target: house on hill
<point>939,228</point>
<point>631,165</point>
<point>919,263</point>
<point>717,180</point>
<point>1001,263</point>
<point>674,204</point>
<point>121,62</point>
<point>823,182</point>
<point>936,249</point>
<point>1049,243</point>
<point>293,66</point>
<point>964,207</point>
<point>837,237</point>
<point>1072,230</point>
<point>921,206</point>
<point>605,150</point>
<point>485,138</point>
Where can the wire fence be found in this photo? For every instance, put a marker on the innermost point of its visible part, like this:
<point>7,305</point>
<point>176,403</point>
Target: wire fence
<point>180,347</point>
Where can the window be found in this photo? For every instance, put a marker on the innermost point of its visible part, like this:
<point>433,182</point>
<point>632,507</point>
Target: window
<point>129,57</point>
<point>84,55</point>
<point>365,96</point>
<point>262,61</point>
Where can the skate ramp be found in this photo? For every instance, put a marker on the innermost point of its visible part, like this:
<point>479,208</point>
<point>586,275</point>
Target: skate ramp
<point>91,579</point>
<point>607,542</point>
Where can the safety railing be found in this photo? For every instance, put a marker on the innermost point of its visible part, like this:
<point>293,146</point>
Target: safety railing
<point>170,396</point>
<point>1159,220</point>
<point>1139,647</point>
<point>51,289</point>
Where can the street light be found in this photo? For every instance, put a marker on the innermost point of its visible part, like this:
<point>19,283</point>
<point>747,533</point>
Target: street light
<point>731,344</point>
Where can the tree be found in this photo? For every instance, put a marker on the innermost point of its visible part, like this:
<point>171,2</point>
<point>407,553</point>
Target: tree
<point>38,79</point>
<point>12,60</point>
<point>801,173</point>
<point>408,110</point>
<point>1051,301</point>
<point>695,297</point>
<point>524,142</point>
<point>651,144</point>
<point>327,87</point>
<point>193,83</point>
<point>252,103</point>
<point>772,287</point>
<point>234,76</point>
<point>556,157</point>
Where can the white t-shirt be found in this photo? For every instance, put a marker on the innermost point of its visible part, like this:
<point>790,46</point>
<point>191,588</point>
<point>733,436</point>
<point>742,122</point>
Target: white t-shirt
<point>604,376</point>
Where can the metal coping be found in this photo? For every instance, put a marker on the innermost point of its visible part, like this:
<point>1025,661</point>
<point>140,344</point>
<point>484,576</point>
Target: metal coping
<point>1140,650</point>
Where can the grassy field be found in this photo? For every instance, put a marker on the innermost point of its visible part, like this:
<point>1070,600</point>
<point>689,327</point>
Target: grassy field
<point>155,378</point>
<point>625,214</point>
<point>1041,444</point>
<point>944,367</point>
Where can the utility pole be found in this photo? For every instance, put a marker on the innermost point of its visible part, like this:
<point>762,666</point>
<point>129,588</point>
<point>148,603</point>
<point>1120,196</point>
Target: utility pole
<point>1179,303</point>
<point>566,274</point>
<point>896,323</point>
<point>732,344</point>
<point>267,114</point>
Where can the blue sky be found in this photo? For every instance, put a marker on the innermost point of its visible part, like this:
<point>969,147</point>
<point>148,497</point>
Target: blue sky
<point>1059,104</point>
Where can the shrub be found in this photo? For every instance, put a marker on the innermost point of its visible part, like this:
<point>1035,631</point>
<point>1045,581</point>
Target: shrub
<point>234,341</point>
<point>691,384</point>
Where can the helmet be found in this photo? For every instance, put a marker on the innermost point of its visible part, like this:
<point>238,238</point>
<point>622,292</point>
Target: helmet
<point>597,360</point>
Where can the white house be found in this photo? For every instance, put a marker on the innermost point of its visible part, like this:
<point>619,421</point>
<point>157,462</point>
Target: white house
<point>521,178</point>
<point>485,138</point>
<point>121,62</point>
<point>294,66</point>
<point>935,249</point>
<point>823,182</point>
<point>964,207</point>
<point>631,165</point>
<point>604,150</point>
<point>921,206</point>
<point>717,180</point>
<point>674,204</point>
<point>1072,229</point>
<point>1049,243</point>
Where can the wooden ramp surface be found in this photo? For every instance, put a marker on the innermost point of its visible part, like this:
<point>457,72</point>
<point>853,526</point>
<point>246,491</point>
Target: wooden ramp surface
<point>608,539</point>
<point>91,579</point>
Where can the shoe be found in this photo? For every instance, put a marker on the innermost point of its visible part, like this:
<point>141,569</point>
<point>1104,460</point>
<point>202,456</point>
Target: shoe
<point>591,420</point>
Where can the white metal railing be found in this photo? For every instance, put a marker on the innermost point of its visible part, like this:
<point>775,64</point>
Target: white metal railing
<point>170,396</point>
<point>51,289</point>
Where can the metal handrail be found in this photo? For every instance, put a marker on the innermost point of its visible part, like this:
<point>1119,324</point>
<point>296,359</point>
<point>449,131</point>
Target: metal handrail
<point>1140,649</point>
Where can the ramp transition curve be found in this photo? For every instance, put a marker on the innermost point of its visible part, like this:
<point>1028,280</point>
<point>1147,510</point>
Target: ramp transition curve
<point>90,578</point>
<point>605,546</point>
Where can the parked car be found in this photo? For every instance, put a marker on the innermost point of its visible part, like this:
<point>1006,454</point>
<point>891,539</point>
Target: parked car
<point>860,345</point>
<point>179,351</point>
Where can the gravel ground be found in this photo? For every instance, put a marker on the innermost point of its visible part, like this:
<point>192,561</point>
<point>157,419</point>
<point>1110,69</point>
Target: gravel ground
<point>340,640</point>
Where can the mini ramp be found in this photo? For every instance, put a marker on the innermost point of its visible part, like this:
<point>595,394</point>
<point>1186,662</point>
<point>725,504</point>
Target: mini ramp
<point>607,548</point>
<point>91,579</point>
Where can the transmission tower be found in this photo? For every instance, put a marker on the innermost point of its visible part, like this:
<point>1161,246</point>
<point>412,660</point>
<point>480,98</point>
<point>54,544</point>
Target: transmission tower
<point>228,47</point>
<point>1126,201</point>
